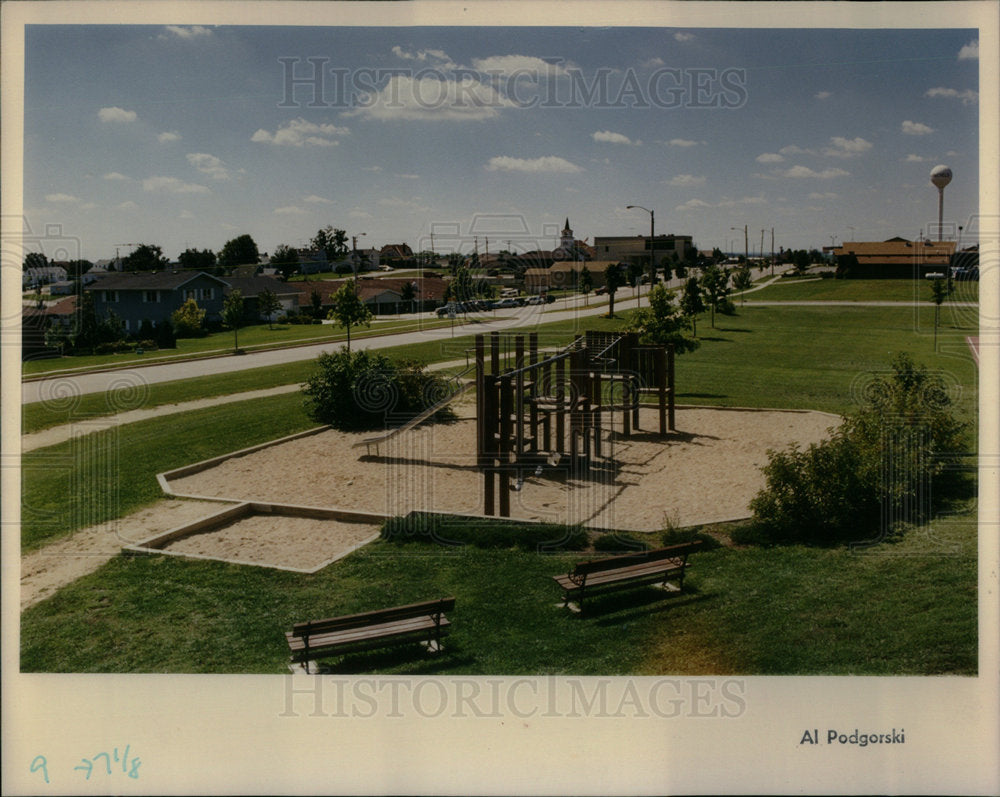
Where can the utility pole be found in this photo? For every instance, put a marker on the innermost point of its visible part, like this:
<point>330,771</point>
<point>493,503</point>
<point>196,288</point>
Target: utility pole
<point>772,251</point>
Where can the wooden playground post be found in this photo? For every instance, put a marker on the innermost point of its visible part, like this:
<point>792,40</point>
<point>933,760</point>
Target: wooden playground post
<point>671,397</point>
<point>533,378</point>
<point>480,392</point>
<point>495,353</point>
<point>519,394</point>
<point>659,376</point>
<point>560,401</point>
<point>489,436</point>
<point>503,448</point>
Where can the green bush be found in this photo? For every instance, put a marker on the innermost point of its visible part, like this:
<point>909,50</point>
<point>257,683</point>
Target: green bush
<point>872,477</point>
<point>367,390</point>
<point>456,530</point>
<point>189,320</point>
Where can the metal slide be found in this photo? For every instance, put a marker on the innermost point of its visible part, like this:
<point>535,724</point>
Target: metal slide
<point>423,416</point>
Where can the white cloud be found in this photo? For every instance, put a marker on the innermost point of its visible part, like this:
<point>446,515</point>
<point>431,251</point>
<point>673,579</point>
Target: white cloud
<point>208,164</point>
<point>847,147</point>
<point>915,159</point>
<point>115,176</point>
<point>432,98</point>
<point>686,180</point>
<point>299,133</point>
<point>549,163</point>
<point>127,205</point>
<point>797,172</point>
<point>88,206</point>
<point>358,213</point>
<point>969,51</point>
<point>916,128</point>
<point>609,137</point>
<point>683,37</point>
<point>683,142</point>
<point>168,136</point>
<point>438,58</point>
<point>823,95</point>
<point>317,200</point>
<point>173,186</point>
<point>116,114</point>
<point>968,96</point>
<point>693,204</point>
<point>409,176</point>
<point>191,32</point>
<point>371,168</point>
<point>653,62</point>
<point>61,198</point>
<point>522,65</point>
<point>404,204</point>
<point>186,214</point>
<point>769,157</point>
<point>290,210</point>
<point>823,195</point>
<point>792,149</point>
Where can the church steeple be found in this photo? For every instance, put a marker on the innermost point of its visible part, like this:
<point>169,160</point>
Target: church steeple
<point>566,229</point>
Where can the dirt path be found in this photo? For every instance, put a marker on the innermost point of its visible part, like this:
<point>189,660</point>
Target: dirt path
<point>46,570</point>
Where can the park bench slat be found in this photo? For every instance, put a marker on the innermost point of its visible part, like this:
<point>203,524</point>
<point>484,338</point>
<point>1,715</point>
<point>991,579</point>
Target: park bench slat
<point>424,621</point>
<point>632,569</point>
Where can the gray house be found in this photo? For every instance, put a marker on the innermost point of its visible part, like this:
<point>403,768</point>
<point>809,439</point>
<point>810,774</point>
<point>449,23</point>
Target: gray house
<point>156,295</point>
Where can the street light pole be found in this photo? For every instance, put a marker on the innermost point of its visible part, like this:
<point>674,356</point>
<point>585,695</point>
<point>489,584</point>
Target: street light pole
<point>354,259</point>
<point>746,245</point>
<point>652,235</point>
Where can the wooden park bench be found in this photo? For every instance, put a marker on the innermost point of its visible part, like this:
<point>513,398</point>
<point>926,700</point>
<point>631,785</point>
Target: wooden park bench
<point>416,622</point>
<point>627,570</point>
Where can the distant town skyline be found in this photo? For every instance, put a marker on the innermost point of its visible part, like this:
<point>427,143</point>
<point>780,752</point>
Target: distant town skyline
<point>188,136</point>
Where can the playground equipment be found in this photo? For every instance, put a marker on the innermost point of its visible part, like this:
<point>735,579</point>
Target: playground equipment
<point>535,408</point>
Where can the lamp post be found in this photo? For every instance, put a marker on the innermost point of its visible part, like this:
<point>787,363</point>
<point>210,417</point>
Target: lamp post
<point>652,256</point>
<point>746,245</point>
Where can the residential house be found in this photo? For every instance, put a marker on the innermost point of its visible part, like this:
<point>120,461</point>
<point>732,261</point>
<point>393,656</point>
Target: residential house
<point>635,248</point>
<point>250,288</point>
<point>36,277</point>
<point>36,320</point>
<point>156,295</point>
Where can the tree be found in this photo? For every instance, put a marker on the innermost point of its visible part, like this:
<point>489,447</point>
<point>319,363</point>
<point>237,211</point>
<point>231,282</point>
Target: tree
<point>203,259</point>
<point>408,293</point>
<point>239,251</point>
<point>35,260</point>
<point>85,332</point>
<point>349,310</point>
<point>316,303</point>
<point>742,281</point>
<point>691,303</point>
<point>232,315</point>
<point>715,284</point>
<point>613,280</point>
<point>461,285</point>
<point>268,305</point>
<point>77,268</point>
<point>331,241</point>
<point>286,260</point>
<point>717,255</point>
<point>165,337</point>
<point>145,257</point>
<point>586,284</point>
<point>189,320</point>
<point>801,260</point>
<point>634,275</point>
<point>663,322</point>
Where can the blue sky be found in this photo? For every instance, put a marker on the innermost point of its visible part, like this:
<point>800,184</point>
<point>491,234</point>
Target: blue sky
<point>176,135</point>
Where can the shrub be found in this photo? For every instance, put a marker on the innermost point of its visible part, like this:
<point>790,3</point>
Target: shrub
<point>189,320</point>
<point>364,390</point>
<point>146,345</point>
<point>726,307</point>
<point>485,533</point>
<point>165,337</point>
<point>873,474</point>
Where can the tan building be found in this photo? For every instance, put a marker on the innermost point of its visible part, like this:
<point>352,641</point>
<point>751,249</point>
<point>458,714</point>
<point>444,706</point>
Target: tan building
<point>896,257</point>
<point>565,275</point>
<point>635,248</point>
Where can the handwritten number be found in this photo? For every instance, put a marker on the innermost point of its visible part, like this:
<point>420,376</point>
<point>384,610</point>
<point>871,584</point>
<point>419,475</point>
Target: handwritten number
<point>89,766</point>
<point>107,760</point>
<point>41,764</point>
<point>134,772</point>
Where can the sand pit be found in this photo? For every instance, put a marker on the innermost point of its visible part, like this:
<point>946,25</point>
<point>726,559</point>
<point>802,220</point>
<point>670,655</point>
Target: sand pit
<point>297,543</point>
<point>706,471</point>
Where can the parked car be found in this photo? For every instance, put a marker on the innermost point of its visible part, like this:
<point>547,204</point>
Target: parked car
<point>535,300</point>
<point>506,303</point>
<point>600,291</point>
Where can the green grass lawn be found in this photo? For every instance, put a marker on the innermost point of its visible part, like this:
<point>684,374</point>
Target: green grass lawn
<point>251,338</point>
<point>791,610</point>
<point>860,290</point>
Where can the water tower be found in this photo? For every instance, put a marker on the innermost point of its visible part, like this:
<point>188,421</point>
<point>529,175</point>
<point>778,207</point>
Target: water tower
<point>940,176</point>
